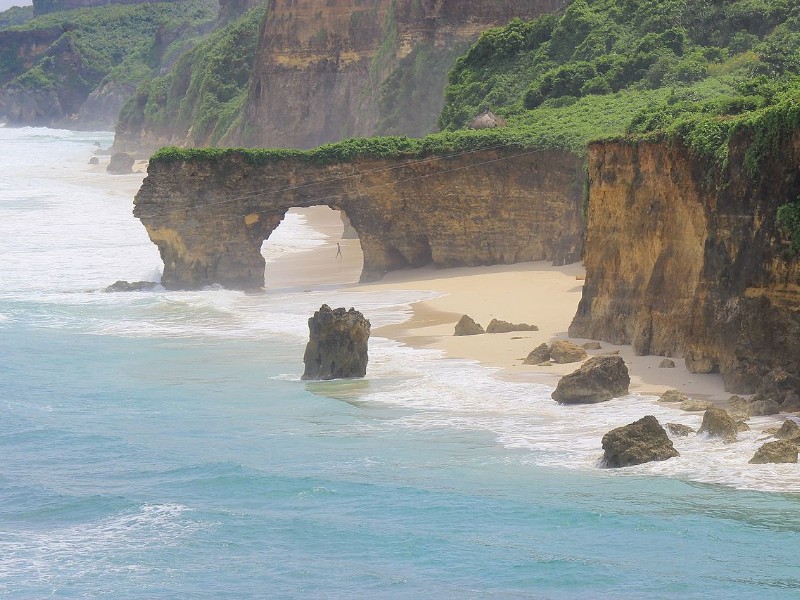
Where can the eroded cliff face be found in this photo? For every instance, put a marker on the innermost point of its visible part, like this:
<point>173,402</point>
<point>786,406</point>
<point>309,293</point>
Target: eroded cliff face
<point>680,267</point>
<point>320,65</point>
<point>209,217</point>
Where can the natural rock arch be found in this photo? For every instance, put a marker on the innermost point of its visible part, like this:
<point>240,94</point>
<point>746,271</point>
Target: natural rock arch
<point>210,214</point>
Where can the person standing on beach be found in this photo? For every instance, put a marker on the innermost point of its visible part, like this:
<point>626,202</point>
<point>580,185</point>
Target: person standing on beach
<point>338,250</point>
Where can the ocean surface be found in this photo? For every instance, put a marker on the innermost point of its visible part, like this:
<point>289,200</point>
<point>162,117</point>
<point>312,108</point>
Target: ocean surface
<point>161,444</point>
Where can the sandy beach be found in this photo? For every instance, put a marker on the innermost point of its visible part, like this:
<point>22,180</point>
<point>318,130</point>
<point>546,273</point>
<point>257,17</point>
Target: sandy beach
<point>536,293</point>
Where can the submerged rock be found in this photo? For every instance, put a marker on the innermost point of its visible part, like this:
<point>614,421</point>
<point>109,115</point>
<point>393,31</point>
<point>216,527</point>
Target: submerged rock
<point>679,430</point>
<point>538,355</point>
<point>563,351</point>
<point>599,379</point>
<point>131,286</point>
<point>718,423</point>
<point>639,442</point>
<point>782,451</point>
<point>467,326</point>
<point>498,326</point>
<point>337,344</point>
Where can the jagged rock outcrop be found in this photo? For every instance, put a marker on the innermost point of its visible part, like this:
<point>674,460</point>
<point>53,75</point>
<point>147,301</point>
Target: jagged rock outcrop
<point>599,379</point>
<point>467,326</point>
<point>538,355</point>
<point>329,69</point>
<point>717,422</point>
<point>210,215</point>
<point>679,267</point>
<point>499,326</point>
<point>782,451</point>
<point>337,344</point>
<point>640,442</point>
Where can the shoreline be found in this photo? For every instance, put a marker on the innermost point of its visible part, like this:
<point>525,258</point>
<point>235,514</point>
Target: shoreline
<point>536,293</point>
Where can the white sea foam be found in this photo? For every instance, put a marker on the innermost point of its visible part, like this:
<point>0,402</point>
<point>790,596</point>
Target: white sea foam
<point>293,235</point>
<point>42,555</point>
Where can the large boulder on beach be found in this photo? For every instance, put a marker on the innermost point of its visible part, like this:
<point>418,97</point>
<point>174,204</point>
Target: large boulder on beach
<point>538,355</point>
<point>498,326</point>
<point>788,430</point>
<point>599,379</point>
<point>563,352</point>
<point>120,164</point>
<point>695,405</point>
<point>642,441</point>
<point>337,344</point>
<point>717,422</point>
<point>467,326</point>
<point>782,451</point>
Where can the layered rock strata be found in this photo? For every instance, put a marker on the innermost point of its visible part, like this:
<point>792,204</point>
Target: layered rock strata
<point>683,266</point>
<point>322,67</point>
<point>209,216</point>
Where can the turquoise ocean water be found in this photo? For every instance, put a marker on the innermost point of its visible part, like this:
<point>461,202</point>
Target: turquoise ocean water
<point>161,444</point>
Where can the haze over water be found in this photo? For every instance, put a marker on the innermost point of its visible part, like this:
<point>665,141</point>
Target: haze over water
<point>161,445</point>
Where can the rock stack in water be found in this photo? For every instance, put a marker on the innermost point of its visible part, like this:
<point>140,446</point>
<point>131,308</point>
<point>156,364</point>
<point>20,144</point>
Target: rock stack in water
<point>337,344</point>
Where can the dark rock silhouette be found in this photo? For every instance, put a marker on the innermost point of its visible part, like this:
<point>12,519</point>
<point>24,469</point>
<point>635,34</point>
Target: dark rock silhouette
<point>337,344</point>
<point>637,443</point>
<point>467,326</point>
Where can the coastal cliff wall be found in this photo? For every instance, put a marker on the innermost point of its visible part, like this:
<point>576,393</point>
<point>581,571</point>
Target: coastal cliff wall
<point>321,67</point>
<point>679,266</point>
<point>209,216</point>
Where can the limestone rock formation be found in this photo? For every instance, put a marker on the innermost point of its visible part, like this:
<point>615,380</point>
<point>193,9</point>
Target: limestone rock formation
<point>538,355</point>
<point>718,423</point>
<point>679,430</point>
<point>782,451</point>
<point>120,164</point>
<point>498,326</point>
<point>599,379</point>
<point>673,396</point>
<point>323,67</point>
<point>564,351</point>
<point>680,268</point>
<point>591,346</point>
<point>337,344</point>
<point>209,214</point>
<point>667,363</point>
<point>467,326</point>
<point>639,442</point>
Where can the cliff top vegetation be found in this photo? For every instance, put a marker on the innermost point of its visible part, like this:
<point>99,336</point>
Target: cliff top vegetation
<point>124,43</point>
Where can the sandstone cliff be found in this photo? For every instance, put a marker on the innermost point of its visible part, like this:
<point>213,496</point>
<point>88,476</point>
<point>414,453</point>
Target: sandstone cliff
<point>679,265</point>
<point>330,69</point>
<point>209,216</point>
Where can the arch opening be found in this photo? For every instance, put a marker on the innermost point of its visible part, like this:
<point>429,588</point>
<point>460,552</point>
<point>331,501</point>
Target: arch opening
<point>311,247</point>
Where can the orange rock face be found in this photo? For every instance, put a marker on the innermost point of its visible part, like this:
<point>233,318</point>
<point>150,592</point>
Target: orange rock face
<point>679,266</point>
<point>320,64</point>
